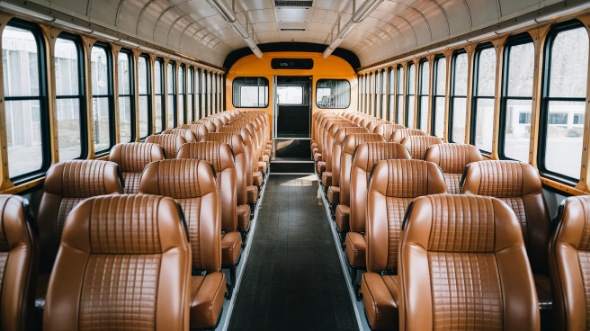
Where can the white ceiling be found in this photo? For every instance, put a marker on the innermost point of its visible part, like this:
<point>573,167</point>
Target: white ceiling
<point>194,28</point>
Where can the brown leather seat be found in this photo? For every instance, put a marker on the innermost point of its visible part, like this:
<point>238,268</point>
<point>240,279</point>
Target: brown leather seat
<point>188,135</point>
<point>19,258</point>
<point>237,145</point>
<point>327,175</point>
<point>192,184</point>
<point>387,129</point>
<point>325,142</point>
<point>199,130</point>
<point>417,145</point>
<point>211,127</point>
<point>334,189</point>
<point>452,159</point>
<point>220,156</point>
<point>568,261</point>
<point>132,159</point>
<point>398,135</point>
<point>124,263</point>
<point>169,142</point>
<point>364,159</point>
<point>247,132</point>
<point>519,185</point>
<point>463,266</point>
<point>393,185</point>
<point>348,148</point>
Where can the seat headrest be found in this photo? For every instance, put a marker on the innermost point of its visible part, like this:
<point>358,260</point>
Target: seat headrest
<point>368,154</point>
<point>501,179</point>
<point>218,154</point>
<point>125,224</point>
<point>417,145</point>
<point>169,142</point>
<point>400,134</point>
<point>178,178</point>
<point>242,131</point>
<point>13,222</point>
<point>199,130</point>
<point>234,140</point>
<point>353,140</point>
<point>188,135</point>
<point>453,158</point>
<point>574,214</point>
<point>344,131</point>
<point>407,178</point>
<point>462,223</point>
<point>133,157</point>
<point>83,178</point>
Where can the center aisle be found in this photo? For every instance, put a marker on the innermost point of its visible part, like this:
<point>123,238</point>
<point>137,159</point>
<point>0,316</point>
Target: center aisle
<point>293,279</point>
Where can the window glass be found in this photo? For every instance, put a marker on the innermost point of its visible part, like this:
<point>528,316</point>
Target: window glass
<point>383,112</point>
<point>24,100</point>
<point>159,94</point>
<point>190,96</point>
<point>400,95</point>
<point>181,94</point>
<point>439,104</point>
<point>424,92</point>
<point>101,97</point>
<point>517,102</point>
<point>410,94</point>
<point>70,97</point>
<point>391,98</point>
<point>125,69</point>
<point>171,92</point>
<point>333,93</point>
<point>250,92</point>
<point>483,99</point>
<point>567,58</point>
<point>459,98</point>
<point>290,95</point>
<point>143,76</point>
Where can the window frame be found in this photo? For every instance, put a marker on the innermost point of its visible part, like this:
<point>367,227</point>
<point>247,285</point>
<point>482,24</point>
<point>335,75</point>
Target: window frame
<point>410,92</point>
<point>110,97</point>
<point>149,95</point>
<point>181,95</point>
<point>435,94</point>
<point>475,95</point>
<point>333,79</point>
<point>423,62</point>
<point>171,110</point>
<point>190,86</point>
<point>546,99</point>
<point>453,96</point>
<point>131,94</point>
<point>399,94</point>
<point>162,95</point>
<point>266,104</point>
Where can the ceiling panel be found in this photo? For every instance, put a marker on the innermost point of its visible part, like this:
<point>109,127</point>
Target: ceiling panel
<point>483,12</point>
<point>104,11</point>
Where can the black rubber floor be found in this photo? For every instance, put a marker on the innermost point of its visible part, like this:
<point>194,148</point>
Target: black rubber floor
<point>293,279</point>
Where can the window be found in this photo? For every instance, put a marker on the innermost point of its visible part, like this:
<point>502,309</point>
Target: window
<point>126,99</point>
<point>411,81</point>
<point>181,94</point>
<point>564,95</point>
<point>483,97</point>
<point>399,102</point>
<point>144,107</point>
<point>458,97</point>
<point>159,95</point>
<point>213,89</point>
<point>370,92</point>
<point>71,102</point>
<point>290,95</point>
<point>365,93</point>
<point>423,91</point>
<point>190,106</point>
<point>517,98</point>
<point>171,93</point>
<point>333,93</point>
<point>250,92</point>
<point>361,92</point>
<point>438,96</point>
<point>206,87</point>
<point>26,99</point>
<point>383,112</point>
<point>376,92</point>
<point>199,94</point>
<point>102,97</point>
<point>391,98</point>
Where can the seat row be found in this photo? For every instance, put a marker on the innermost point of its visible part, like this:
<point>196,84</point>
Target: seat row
<point>517,184</point>
<point>202,180</point>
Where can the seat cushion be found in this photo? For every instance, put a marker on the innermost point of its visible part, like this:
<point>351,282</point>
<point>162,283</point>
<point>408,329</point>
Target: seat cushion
<point>356,246</point>
<point>342,213</point>
<point>380,296</point>
<point>243,212</point>
<point>252,192</point>
<point>334,195</point>
<point>257,178</point>
<point>327,178</point>
<point>207,293</point>
<point>231,247</point>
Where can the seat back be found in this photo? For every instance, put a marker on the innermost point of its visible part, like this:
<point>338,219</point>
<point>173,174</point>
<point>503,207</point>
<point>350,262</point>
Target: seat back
<point>211,127</point>
<point>418,145</point>
<point>66,184</point>
<point>392,186</point>
<point>249,146</point>
<point>199,130</point>
<point>236,143</point>
<point>169,142</point>
<point>188,135</point>
<point>348,148</point>
<point>364,159</point>
<point>19,258</point>
<point>452,159</point>
<point>387,129</point>
<point>519,185</point>
<point>337,150</point>
<point>192,184</point>
<point>398,135</point>
<point>124,263</point>
<point>473,243</point>
<point>328,125</point>
<point>330,143</point>
<point>569,253</point>
<point>132,159</point>
<point>220,156</point>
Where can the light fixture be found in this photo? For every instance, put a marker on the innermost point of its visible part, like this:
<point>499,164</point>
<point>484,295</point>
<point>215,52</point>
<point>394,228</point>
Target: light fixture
<point>25,11</point>
<point>571,10</point>
<point>105,36</point>
<point>223,10</point>
<point>363,12</point>
<point>71,26</point>
<point>239,29</point>
<point>517,27</point>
